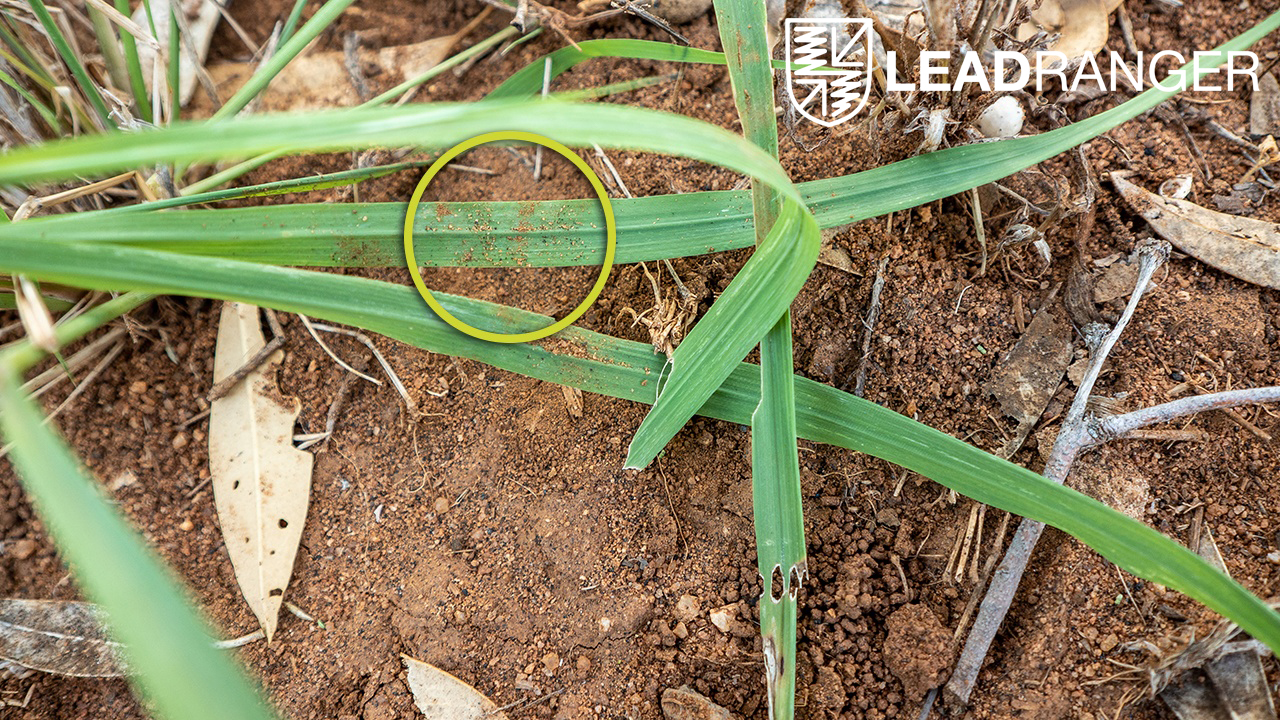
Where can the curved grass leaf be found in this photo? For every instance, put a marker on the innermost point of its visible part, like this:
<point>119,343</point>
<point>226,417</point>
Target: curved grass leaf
<point>433,126</point>
<point>630,370</point>
<point>758,295</point>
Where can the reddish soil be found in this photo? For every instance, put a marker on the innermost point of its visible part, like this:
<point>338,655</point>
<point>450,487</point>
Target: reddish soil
<point>499,538</point>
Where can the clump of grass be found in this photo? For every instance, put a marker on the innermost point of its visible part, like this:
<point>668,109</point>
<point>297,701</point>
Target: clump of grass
<point>131,249</point>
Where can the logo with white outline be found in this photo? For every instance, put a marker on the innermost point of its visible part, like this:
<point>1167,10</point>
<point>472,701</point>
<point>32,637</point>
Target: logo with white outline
<point>828,74</point>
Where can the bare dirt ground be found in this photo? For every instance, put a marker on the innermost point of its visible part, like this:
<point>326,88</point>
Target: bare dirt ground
<point>499,538</point>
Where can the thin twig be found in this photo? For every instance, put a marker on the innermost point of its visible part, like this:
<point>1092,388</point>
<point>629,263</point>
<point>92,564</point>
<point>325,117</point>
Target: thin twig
<point>1109,428</point>
<point>224,386</point>
<point>386,367</point>
<point>311,328</point>
<point>1072,438</point>
<point>869,326</point>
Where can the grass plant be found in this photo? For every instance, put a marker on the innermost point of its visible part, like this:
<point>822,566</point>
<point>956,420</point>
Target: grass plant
<point>233,254</point>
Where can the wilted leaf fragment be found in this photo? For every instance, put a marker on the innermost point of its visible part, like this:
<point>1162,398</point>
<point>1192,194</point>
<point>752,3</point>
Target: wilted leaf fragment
<point>441,696</point>
<point>261,483</point>
<point>62,637</point>
<point>1026,379</point>
<point>1246,248</point>
<point>1264,107</point>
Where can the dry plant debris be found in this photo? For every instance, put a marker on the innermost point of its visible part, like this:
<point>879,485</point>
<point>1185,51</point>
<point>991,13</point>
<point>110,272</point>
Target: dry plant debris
<point>1246,248</point>
<point>1081,26</point>
<point>1264,107</point>
<point>685,703</point>
<point>261,483</point>
<point>441,696</point>
<point>196,23</point>
<point>62,637</point>
<point>318,80</point>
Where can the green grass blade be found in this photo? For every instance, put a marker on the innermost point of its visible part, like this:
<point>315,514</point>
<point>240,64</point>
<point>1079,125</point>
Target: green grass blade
<point>109,44</point>
<point>169,651</point>
<point>775,465</point>
<point>174,76</point>
<point>136,83</point>
<point>168,648</point>
<point>437,125</point>
<point>60,44</point>
<point>285,54</point>
<point>564,233</point>
<point>629,370</point>
<point>291,23</point>
<point>759,294</point>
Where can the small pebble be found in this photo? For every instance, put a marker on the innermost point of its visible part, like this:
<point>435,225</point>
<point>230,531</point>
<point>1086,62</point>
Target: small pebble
<point>137,387</point>
<point>721,619</point>
<point>550,663</point>
<point>23,549</point>
<point>584,664</point>
<point>687,608</point>
<point>186,525</point>
<point>1002,118</point>
<point>442,505</point>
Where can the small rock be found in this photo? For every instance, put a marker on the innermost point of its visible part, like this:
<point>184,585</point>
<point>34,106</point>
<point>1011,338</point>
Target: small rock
<point>180,441</point>
<point>186,525</point>
<point>550,663</point>
<point>137,387</point>
<point>721,618</point>
<point>605,624</point>
<point>888,517</point>
<point>442,505</point>
<point>583,664</point>
<point>687,608</point>
<point>23,549</point>
<point>680,630</point>
<point>686,703</point>
<point>1109,643</point>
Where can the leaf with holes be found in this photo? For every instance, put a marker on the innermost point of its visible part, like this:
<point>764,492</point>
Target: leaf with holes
<point>261,483</point>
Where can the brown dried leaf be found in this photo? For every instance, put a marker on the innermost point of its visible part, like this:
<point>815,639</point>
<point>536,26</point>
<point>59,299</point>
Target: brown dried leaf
<point>1264,107</point>
<point>62,637</point>
<point>1246,248</point>
<point>261,483</point>
<point>1027,377</point>
<point>441,696</point>
<point>1081,25</point>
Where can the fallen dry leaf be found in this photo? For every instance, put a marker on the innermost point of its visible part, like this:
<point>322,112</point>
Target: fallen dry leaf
<point>1264,107</point>
<point>685,703</point>
<point>1027,377</point>
<point>1081,25</point>
<point>261,483</point>
<point>62,637</point>
<point>441,696</point>
<point>198,35</point>
<point>1246,248</point>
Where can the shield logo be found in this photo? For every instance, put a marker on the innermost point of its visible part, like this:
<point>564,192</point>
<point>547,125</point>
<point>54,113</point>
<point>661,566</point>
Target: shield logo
<point>828,76</point>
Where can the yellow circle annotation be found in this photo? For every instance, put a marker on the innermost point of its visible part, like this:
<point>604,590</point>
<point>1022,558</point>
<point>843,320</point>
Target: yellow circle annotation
<point>611,239</point>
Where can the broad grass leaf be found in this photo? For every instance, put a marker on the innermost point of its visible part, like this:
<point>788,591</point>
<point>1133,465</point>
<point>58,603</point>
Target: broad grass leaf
<point>261,483</point>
